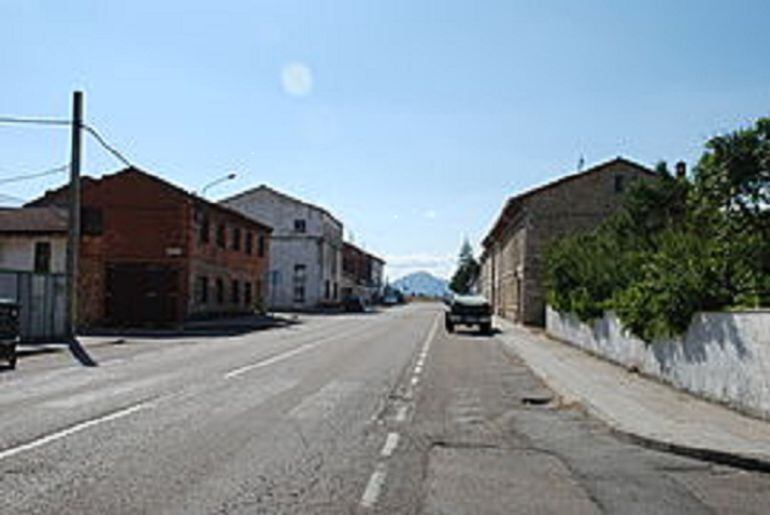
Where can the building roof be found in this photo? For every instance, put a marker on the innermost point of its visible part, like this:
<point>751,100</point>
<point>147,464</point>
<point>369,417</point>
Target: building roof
<point>265,187</point>
<point>33,220</point>
<point>58,196</point>
<point>516,201</point>
<point>362,251</point>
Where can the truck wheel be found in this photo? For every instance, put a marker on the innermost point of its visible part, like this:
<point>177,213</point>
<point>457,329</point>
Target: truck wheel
<point>450,327</point>
<point>12,360</point>
<point>486,328</point>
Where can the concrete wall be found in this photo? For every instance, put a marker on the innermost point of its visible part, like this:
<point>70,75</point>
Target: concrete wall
<point>723,357</point>
<point>17,252</point>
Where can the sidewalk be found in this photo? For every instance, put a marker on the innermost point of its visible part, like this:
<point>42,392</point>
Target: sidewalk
<point>646,411</point>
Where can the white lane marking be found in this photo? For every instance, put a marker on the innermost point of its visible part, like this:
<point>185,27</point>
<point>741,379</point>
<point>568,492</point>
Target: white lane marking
<point>269,361</point>
<point>418,369</point>
<point>390,445</point>
<point>7,453</point>
<point>415,380</point>
<point>401,413</point>
<point>373,487</point>
<point>285,355</point>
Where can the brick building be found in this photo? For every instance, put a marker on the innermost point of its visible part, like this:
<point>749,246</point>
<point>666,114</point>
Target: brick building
<point>512,262</point>
<point>153,254</point>
<point>361,273</point>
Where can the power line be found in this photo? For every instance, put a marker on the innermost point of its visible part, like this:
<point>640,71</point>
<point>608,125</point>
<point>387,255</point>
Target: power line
<point>33,121</point>
<point>19,120</point>
<point>109,148</point>
<point>25,177</point>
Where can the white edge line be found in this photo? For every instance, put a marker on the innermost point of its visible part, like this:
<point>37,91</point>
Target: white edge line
<point>7,453</point>
<point>373,487</point>
<point>391,442</point>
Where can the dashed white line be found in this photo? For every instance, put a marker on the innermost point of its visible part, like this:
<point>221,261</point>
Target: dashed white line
<point>269,361</point>
<point>7,453</point>
<point>390,445</point>
<point>401,413</point>
<point>418,369</point>
<point>415,380</point>
<point>374,486</point>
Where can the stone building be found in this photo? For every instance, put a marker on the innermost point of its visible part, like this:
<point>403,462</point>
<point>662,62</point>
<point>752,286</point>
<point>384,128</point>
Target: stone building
<point>306,251</point>
<point>512,262</point>
<point>153,254</point>
<point>361,273</point>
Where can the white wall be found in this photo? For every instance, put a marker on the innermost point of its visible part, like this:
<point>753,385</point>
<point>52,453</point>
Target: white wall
<point>723,357</point>
<point>319,248</point>
<point>17,252</point>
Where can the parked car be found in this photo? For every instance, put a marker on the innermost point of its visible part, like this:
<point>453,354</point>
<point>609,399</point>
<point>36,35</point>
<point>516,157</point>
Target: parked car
<point>469,310</point>
<point>353,304</point>
<point>9,331</point>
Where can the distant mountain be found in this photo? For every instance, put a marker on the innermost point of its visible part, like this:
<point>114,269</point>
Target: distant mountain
<point>421,283</point>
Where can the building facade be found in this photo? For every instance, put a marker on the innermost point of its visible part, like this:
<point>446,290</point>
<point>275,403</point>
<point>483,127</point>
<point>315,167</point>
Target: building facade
<point>513,257</point>
<point>306,251</point>
<point>33,240</point>
<point>361,273</point>
<point>152,254</point>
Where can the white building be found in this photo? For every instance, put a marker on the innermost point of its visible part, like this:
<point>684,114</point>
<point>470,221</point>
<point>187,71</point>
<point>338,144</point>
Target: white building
<point>33,239</point>
<point>305,248</point>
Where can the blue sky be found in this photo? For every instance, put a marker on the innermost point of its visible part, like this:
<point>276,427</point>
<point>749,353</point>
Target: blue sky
<point>410,120</point>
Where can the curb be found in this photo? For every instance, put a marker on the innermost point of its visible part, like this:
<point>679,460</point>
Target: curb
<point>741,461</point>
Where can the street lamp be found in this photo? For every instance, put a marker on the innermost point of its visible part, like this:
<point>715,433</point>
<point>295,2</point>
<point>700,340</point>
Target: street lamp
<point>228,177</point>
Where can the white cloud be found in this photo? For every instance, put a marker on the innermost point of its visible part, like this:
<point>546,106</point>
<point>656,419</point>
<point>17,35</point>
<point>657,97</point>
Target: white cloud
<point>400,265</point>
<point>430,214</point>
<point>297,79</point>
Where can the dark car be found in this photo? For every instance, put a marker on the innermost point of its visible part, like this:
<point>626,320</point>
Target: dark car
<point>353,304</point>
<point>9,331</point>
<point>469,310</point>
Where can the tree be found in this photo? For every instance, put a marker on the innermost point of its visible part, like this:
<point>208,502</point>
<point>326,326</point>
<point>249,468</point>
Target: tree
<point>467,270</point>
<point>679,246</point>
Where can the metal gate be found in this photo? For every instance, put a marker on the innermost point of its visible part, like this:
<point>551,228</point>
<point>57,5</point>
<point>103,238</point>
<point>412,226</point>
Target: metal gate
<point>42,299</point>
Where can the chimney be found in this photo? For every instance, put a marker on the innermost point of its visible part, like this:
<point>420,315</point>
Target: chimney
<point>681,170</point>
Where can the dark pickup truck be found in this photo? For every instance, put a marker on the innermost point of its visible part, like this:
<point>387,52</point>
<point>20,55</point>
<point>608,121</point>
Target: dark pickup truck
<point>472,310</point>
<point>9,331</point>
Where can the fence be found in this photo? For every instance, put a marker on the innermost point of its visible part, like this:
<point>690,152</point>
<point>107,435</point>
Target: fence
<point>42,299</point>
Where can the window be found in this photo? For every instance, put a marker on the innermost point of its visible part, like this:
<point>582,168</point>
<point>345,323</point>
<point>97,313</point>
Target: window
<point>299,282</point>
<point>203,290</point>
<point>42,257</point>
<point>236,238</point>
<point>247,293</point>
<point>221,236</point>
<point>261,246</point>
<point>619,184</point>
<point>335,291</point>
<point>235,292</point>
<point>204,229</point>
<point>299,225</point>
<point>249,243</point>
<point>299,294</point>
<point>91,221</point>
<point>327,289</point>
<point>220,291</point>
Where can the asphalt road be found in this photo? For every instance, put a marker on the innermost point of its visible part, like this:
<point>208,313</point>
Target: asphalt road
<point>371,413</point>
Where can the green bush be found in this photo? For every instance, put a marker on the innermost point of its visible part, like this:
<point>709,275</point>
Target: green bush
<point>679,246</point>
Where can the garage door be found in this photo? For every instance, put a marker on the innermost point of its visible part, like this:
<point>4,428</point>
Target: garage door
<point>142,295</point>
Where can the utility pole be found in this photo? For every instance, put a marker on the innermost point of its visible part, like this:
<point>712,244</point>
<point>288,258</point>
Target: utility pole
<point>73,232</point>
